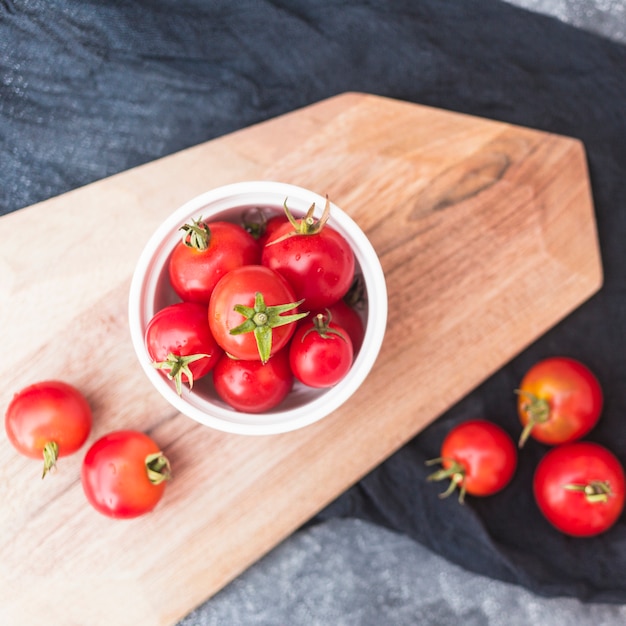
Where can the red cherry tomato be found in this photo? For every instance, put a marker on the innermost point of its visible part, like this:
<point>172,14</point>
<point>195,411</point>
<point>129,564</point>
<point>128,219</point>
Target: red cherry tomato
<point>579,488</point>
<point>253,386</point>
<point>124,474</point>
<point>559,401</point>
<point>314,258</point>
<point>253,312</point>
<point>49,419</point>
<point>179,341</point>
<point>478,457</point>
<point>320,352</point>
<point>207,252</point>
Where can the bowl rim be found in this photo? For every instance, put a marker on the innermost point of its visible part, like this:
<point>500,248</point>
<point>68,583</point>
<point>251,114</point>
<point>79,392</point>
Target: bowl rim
<point>217,201</point>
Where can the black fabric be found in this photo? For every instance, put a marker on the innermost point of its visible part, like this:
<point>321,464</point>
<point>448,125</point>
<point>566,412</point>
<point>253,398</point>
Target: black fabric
<point>88,89</point>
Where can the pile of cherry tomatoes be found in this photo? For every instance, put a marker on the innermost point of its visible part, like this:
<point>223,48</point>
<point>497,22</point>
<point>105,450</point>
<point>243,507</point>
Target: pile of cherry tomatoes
<point>259,309</point>
<point>262,304</point>
<point>579,486</point>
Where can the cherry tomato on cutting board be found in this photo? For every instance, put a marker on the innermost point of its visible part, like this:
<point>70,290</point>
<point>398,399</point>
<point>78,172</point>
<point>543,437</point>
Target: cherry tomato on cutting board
<point>207,252</point>
<point>48,419</point>
<point>180,343</point>
<point>559,400</point>
<point>124,474</point>
<point>315,258</point>
<point>579,488</point>
<point>253,312</point>
<point>478,457</point>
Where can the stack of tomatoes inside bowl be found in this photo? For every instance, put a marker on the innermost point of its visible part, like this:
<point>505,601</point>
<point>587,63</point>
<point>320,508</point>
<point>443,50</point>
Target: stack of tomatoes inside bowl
<point>258,308</point>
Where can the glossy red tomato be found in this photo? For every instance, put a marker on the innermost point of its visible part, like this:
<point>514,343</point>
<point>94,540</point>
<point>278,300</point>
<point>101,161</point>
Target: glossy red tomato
<point>478,457</point>
<point>320,353</point>
<point>180,343</point>
<point>124,474</point>
<point>559,401</point>
<point>314,258</point>
<point>579,488</point>
<point>207,252</point>
<point>49,419</point>
<point>253,386</point>
<point>253,312</point>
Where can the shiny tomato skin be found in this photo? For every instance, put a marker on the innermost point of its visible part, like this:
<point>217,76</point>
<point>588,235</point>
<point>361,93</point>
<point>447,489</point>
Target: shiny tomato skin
<point>46,411</point>
<point>320,361</point>
<point>251,386</point>
<point>486,453</point>
<point>194,273</point>
<point>114,475</point>
<point>320,267</point>
<point>573,394</point>
<point>183,329</point>
<point>239,287</point>
<point>578,463</point>
<point>272,225</point>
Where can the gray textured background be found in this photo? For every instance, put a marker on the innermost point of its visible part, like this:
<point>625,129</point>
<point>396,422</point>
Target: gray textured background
<point>350,572</point>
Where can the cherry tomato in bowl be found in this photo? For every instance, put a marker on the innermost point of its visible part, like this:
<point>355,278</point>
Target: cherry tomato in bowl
<point>124,474</point>
<point>253,386</point>
<point>477,457</point>
<point>180,343</point>
<point>579,487</point>
<point>49,419</point>
<point>207,252</point>
<point>314,257</point>
<point>253,312</point>
<point>320,353</point>
<point>559,400</point>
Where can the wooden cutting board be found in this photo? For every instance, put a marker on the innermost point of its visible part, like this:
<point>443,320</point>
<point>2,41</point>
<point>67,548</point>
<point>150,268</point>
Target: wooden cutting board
<point>487,237</point>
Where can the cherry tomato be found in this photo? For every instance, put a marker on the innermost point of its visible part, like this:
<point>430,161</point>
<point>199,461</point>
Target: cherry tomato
<point>179,341</point>
<point>559,401</point>
<point>253,312</point>
<point>124,474</point>
<point>478,457</point>
<point>320,352</point>
<point>348,318</point>
<point>579,488</point>
<point>207,252</point>
<point>314,258</point>
<point>253,386</point>
<point>50,419</point>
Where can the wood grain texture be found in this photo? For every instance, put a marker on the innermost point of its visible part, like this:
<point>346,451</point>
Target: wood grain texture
<point>487,238</point>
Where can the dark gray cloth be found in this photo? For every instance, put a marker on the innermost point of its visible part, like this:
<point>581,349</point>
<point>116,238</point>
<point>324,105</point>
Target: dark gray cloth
<point>88,89</point>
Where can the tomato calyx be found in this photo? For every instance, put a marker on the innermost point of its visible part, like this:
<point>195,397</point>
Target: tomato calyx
<point>308,225</point>
<point>177,365</point>
<point>595,491</point>
<point>538,412</point>
<point>254,221</point>
<point>158,468</point>
<point>321,325</point>
<point>455,472</point>
<point>196,234</point>
<point>50,455</point>
<point>261,319</point>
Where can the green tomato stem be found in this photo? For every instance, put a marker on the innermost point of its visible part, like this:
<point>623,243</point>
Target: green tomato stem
<point>158,468</point>
<point>455,472</point>
<point>50,455</point>
<point>538,412</point>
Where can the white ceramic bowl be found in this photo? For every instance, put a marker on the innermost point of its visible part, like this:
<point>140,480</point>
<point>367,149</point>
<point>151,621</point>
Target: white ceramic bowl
<point>150,291</point>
